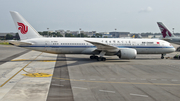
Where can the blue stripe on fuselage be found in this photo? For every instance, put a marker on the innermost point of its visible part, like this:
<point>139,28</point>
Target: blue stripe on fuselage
<point>95,46</point>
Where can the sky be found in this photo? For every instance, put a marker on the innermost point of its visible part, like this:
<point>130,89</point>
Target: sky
<point>134,16</point>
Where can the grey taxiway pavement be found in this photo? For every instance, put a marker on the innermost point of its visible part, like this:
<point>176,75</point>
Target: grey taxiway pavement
<point>77,78</point>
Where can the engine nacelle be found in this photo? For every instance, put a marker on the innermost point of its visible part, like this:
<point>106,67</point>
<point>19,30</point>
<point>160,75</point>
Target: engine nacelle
<point>127,53</point>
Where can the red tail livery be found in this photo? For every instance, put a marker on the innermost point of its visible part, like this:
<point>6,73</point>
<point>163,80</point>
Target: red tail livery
<point>23,28</point>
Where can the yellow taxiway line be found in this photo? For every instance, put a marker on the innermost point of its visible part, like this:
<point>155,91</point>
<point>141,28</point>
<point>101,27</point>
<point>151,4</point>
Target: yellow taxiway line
<point>34,61</point>
<point>120,82</point>
<point>19,71</point>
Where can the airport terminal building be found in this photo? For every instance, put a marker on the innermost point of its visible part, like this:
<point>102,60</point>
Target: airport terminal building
<point>119,34</point>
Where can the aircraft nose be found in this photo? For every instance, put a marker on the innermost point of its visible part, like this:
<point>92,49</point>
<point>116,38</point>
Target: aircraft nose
<point>173,49</point>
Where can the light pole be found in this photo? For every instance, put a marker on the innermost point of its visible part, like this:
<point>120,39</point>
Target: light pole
<point>173,30</point>
<point>115,31</point>
<point>80,31</point>
<point>48,31</point>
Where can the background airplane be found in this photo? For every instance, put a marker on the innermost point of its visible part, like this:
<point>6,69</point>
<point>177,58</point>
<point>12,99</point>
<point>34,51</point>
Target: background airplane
<point>136,36</point>
<point>123,48</point>
<point>168,36</point>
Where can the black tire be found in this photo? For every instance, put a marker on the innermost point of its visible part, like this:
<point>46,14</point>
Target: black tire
<point>91,57</point>
<point>95,57</point>
<point>103,59</point>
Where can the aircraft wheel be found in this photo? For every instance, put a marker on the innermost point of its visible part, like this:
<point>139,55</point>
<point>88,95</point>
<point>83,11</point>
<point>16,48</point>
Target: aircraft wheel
<point>91,57</point>
<point>96,57</point>
<point>103,59</point>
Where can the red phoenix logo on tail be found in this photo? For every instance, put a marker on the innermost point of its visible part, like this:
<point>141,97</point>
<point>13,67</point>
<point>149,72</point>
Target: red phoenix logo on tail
<point>23,28</point>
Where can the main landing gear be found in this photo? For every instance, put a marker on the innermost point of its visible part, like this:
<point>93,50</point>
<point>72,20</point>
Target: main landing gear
<point>98,58</point>
<point>101,58</point>
<point>93,57</point>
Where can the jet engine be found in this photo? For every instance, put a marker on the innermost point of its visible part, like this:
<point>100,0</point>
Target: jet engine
<point>127,54</point>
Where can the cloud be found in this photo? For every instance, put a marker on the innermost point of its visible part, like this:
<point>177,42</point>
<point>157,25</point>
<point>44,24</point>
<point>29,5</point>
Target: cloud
<point>146,10</point>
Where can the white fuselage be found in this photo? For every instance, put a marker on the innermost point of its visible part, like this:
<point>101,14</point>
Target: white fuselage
<point>80,46</point>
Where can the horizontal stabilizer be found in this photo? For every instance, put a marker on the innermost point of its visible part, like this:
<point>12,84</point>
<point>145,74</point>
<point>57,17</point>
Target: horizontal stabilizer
<point>166,39</point>
<point>19,43</point>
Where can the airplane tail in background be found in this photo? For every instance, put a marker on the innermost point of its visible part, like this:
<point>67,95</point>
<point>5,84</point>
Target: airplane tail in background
<point>25,30</point>
<point>165,32</point>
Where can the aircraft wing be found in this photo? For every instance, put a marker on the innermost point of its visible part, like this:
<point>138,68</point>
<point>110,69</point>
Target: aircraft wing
<point>102,46</point>
<point>19,43</point>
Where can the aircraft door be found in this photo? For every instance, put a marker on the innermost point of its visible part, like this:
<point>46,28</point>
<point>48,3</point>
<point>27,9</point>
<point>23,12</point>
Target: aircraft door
<point>47,44</point>
<point>134,44</point>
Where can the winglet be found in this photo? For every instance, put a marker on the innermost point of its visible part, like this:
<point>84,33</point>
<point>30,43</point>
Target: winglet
<point>19,43</point>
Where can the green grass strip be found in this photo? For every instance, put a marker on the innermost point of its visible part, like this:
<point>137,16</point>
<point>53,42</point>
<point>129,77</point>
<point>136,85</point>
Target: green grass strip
<point>4,43</point>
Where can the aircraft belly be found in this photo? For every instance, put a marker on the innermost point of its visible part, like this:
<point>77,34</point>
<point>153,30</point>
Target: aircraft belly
<point>75,51</point>
<point>147,51</point>
<point>88,50</point>
<point>153,50</point>
<point>63,50</point>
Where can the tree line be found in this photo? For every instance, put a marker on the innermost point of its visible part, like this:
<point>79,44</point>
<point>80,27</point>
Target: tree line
<point>58,34</point>
<point>49,34</point>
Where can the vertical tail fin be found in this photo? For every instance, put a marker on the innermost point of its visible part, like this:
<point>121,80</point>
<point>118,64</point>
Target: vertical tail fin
<point>165,32</point>
<point>25,30</point>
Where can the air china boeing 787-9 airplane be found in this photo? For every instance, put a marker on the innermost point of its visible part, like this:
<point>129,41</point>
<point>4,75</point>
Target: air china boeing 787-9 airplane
<point>123,48</point>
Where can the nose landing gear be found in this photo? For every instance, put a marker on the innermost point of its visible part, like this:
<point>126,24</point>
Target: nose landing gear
<point>162,56</point>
